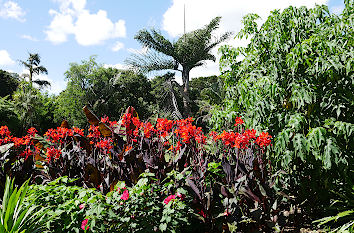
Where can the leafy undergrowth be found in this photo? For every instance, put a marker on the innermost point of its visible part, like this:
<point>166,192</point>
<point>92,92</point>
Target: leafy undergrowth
<point>161,176</point>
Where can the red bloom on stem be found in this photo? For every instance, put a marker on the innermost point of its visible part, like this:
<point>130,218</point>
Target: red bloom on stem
<point>169,198</point>
<point>82,206</point>
<point>105,145</point>
<point>94,132</point>
<point>53,153</point>
<point>32,131</point>
<point>105,120</point>
<point>264,139</point>
<point>83,224</point>
<point>4,131</point>
<point>238,121</point>
<point>78,131</point>
<point>148,129</point>
<point>125,195</point>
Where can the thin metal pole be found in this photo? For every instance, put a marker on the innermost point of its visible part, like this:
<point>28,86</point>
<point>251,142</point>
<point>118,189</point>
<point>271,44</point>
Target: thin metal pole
<point>184,21</point>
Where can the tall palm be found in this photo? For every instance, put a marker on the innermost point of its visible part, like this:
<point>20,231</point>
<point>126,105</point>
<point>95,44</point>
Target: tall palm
<point>32,64</point>
<point>189,51</point>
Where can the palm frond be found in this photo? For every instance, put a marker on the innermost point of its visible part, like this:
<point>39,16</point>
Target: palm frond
<point>150,61</point>
<point>154,40</point>
<point>42,83</point>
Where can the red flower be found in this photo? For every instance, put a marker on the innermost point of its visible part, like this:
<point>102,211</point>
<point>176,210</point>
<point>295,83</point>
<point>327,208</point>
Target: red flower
<point>169,198</point>
<point>264,139</point>
<point>32,131</point>
<point>105,119</point>
<point>94,132</point>
<point>4,131</point>
<point>82,206</point>
<point>125,195</point>
<point>78,131</point>
<point>238,121</point>
<point>53,153</point>
<point>83,225</point>
<point>148,129</point>
<point>105,145</point>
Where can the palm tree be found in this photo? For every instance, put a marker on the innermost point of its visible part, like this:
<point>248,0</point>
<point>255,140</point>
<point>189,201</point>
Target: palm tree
<point>189,51</point>
<point>32,64</point>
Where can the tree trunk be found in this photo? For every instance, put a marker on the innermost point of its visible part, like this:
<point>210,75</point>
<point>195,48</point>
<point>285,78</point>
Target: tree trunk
<point>185,94</point>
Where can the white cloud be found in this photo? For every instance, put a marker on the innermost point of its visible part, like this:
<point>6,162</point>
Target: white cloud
<point>117,66</point>
<point>28,37</point>
<point>12,10</point>
<point>200,12</point>
<point>5,59</point>
<point>117,46</point>
<point>88,28</point>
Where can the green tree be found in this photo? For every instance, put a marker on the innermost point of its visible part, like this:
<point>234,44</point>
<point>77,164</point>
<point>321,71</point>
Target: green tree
<point>189,51</point>
<point>107,91</point>
<point>33,108</point>
<point>8,83</point>
<point>297,80</point>
<point>32,64</point>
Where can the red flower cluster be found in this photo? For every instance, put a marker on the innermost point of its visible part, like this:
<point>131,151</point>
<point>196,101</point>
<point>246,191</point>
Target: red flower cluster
<point>105,145</point>
<point>264,139</point>
<point>187,131</point>
<point>59,135</point>
<point>53,153</point>
<point>94,132</point>
<point>242,140</point>
<point>238,121</point>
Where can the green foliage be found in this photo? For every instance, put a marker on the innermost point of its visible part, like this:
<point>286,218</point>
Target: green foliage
<point>8,115</point>
<point>296,79</point>
<point>63,201</point>
<point>15,215</point>
<point>34,108</point>
<point>101,88</point>
<point>8,83</point>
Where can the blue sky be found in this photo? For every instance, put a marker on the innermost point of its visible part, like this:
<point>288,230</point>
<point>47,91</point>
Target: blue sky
<point>65,31</point>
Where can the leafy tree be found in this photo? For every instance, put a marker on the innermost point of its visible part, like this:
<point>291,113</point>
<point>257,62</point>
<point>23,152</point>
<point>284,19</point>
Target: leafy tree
<point>8,83</point>
<point>297,80</point>
<point>33,108</point>
<point>107,91</point>
<point>189,51</point>
<point>32,64</point>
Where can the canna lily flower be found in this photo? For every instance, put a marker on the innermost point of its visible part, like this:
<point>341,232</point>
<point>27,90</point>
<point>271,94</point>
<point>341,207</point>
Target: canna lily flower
<point>83,224</point>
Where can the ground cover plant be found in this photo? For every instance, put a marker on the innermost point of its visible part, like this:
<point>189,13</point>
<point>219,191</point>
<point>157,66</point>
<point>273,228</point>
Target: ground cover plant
<point>185,176</point>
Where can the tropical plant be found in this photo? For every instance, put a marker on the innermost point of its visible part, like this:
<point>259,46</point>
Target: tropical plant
<point>32,64</point>
<point>296,80</point>
<point>15,215</point>
<point>188,52</point>
<point>67,205</point>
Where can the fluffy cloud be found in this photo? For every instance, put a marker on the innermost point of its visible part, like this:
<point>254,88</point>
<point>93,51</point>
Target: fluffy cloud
<point>117,66</point>
<point>117,46</point>
<point>12,10</point>
<point>5,59</point>
<point>28,37</point>
<point>200,12</point>
<point>88,28</point>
